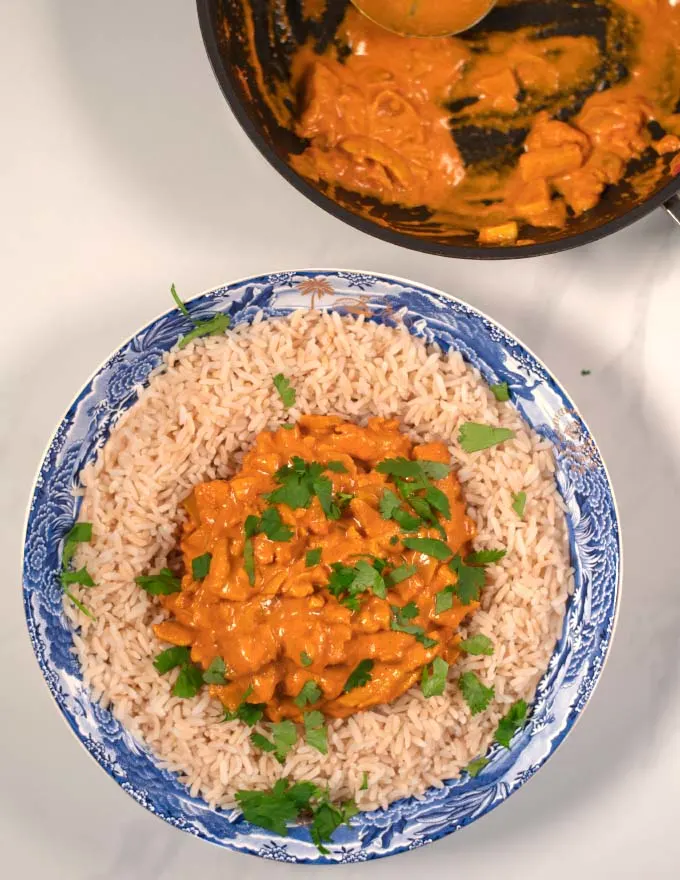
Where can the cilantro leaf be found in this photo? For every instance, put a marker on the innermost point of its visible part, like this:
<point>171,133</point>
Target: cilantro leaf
<point>316,733</point>
<point>170,658</point>
<point>429,546</point>
<point>474,768</point>
<point>388,504</point>
<point>359,677</point>
<point>476,695</point>
<point>86,611</point>
<point>401,573</point>
<point>435,470</point>
<point>433,681</point>
<point>285,736</point>
<point>337,467</point>
<point>409,611</point>
<point>80,533</point>
<point>81,577</point>
<point>270,810</point>
<point>398,623</point>
<point>327,818</point>
<point>479,644</point>
<point>273,527</point>
<point>189,681</point>
<point>323,489</point>
<point>180,305</point>
<point>310,693</point>
<point>313,557</point>
<point>214,674</point>
<point>364,782</point>
<point>437,499</point>
<point>470,580</point>
<point>443,600</point>
<point>250,528</point>
<point>367,577</point>
<point>261,742</point>
<point>286,392</point>
<point>250,713</point>
<point>519,500</point>
<point>510,723</point>
<point>162,584</point>
<point>501,391</point>
<point>405,468</point>
<point>214,326</point>
<point>474,437</point>
<point>200,566</point>
<point>305,659</point>
<point>484,557</point>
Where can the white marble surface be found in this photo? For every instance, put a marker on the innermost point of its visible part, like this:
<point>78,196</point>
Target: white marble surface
<point>121,170</point>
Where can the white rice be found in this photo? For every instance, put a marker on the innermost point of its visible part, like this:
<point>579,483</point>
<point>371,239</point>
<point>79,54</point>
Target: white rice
<point>200,412</point>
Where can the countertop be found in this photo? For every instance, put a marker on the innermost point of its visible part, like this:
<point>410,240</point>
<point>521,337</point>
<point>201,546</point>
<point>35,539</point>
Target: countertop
<point>121,171</point>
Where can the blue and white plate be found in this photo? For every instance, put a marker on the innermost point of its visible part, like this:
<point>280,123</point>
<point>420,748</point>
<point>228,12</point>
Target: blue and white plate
<point>594,536</point>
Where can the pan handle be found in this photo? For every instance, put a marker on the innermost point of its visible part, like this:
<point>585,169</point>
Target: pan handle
<point>673,207</point>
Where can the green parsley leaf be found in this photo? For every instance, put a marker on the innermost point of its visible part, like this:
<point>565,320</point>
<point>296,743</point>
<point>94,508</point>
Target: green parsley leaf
<point>251,526</point>
<point>401,573</point>
<point>327,819</point>
<point>519,500</point>
<point>313,557</point>
<point>510,723</point>
<point>367,577</point>
<point>474,768</point>
<point>273,527</point>
<point>405,468</point>
<point>501,392</point>
<point>162,584</point>
<point>214,674</point>
<point>470,580</point>
<point>438,500</point>
<point>286,392</point>
<point>433,680</point>
<point>429,546</point>
<point>323,489</point>
<point>364,782</point>
<point>357,579</point>
<point>443,600</point>
<point>473,437</point>
<point>434,470</point>
<point>261,742</point>
<point>336,466</point>
<point>170,658</point>
<point>296,483</point>
<point>476,695</point>
<point>189,681</point>
<point>409,611</point>
<point>316,734</point>
<point>249,713</point>
<point>285,736</point>
<point>359,677</point>
<point>310,693</point>
<point>305,659</point>
<point>82,577</point>
<point>399,623</point>
<point>479,644</point>
<point>484,557</point>
<point>200,566</point>
<point>80,533</point>
<point>270,810</point>
<point>388,504</point>
<point>424,510</point>
<point>214,326</point>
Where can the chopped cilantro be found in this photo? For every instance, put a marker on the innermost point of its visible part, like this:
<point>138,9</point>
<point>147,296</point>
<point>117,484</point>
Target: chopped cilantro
<point>261,742</point>
<point>438,500</point>
<point>470,580</point>
<point>476,695</point>
<point>364,782</point>
<point>249,713</point>
<point>327,818</point>
<point>316,733</point>
<point>359,677</point>
<point>300,481</point>
<point>86,611</point>
<point>189,681</point>
<point>474,768</point>
<point>429,546</point>
<point>484,557</point>
<point>214,674</point>
<point>208,327</point>
<point>272,526</point>
<point>399,623</point>
<point>400,574</point>
<point>200,566</point>
<point>80,533</point>
<point>286,392</point>
<point>443,600</point>
<point>388,504</point>
<point>519,500</point>
<point>501,392</point>
<point>170,658</point>
<point>81,577</point>
<point>162,584</point>
<point>510,723</point>
<point>405,468</point>
<point>288,426</point>
<point>310,693</point>
<point>180,305</point>
<point>433,680</point>
<point>337,467</point>
<point>313,557</point>
<point>394,540</point>
<point>479,644</point>
<point>368,578</point>
<point>305,659</point>
<point>350,581</point>
<point>473,437</point>
<point>284,735</point>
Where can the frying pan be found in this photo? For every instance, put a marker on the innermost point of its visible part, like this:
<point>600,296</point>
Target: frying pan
<point>280,26</point>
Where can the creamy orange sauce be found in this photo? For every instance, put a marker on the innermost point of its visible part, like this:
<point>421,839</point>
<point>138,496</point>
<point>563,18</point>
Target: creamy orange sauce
<point>282,627</point>
<point>428,18</point>
<point>378,120</point>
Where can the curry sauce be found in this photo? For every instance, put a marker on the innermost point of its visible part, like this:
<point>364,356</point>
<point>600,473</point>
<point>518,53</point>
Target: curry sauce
<point>281,604</point>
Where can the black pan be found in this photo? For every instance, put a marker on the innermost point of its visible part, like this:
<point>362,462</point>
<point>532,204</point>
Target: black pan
<point>280,26</point>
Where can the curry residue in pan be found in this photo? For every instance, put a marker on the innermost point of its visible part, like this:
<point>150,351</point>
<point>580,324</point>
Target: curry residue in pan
<point>278,624</point>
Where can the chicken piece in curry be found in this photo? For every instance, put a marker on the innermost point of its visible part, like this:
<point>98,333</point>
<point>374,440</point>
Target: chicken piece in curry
<point>299,576</point>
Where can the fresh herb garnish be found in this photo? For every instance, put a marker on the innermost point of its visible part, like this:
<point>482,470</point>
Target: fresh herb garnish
<point>474,437</point>
<point>288,426</point>
<point>300,481</point>
<point>273,527</point>
<point>394,540</point>
<point>476,695</point>
<point>484,557</point>
<point>316,733</point>
<point>359,676</point>
<point>162,584</point>
<point>399,623</point>
<point>190,678</point>
<point>433,680</point>
<point>364,782</point>
<point>214,326</point>
<point>443,600</point>
<point>474,768</point>
<point>405,468</point>
<point>250,529</point>
<point>337,467</point>
<point>478,644</point>
<point>305,659</point>
<point>215,673</point>
<point>510,723</point>
<point>80,533</point>
<point>390,508</point>
<point>519,500</point>
<point>249,713</point>
<point>501,392</point>
<point>428,546</point>
<point>470,580</point>
<point>170,658</point>
<point>310,693</point>
<point>313,557</point>
<point>284,735</point>
<point>347,582</point>
<point>200,566</point>
<point>81,577</point>
<point>401,573</point>
<point>327,818</point>
<point>286,392</point>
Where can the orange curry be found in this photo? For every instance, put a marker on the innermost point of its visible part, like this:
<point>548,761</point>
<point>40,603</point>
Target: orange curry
<point>425,17</point>
<point>326,591</point>
<point>377,108</point>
